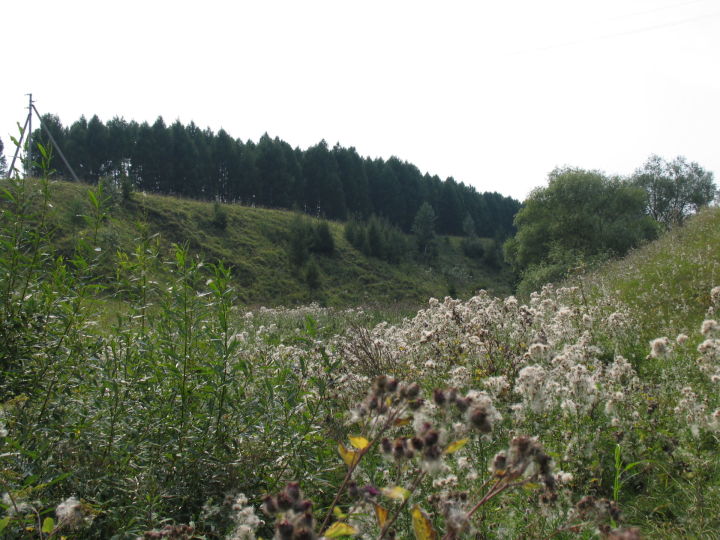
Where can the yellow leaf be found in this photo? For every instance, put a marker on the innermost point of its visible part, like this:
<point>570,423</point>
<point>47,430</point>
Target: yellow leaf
<point>455,446</point>
<point>350,457</point>
<point>530,486</point>
<point>339,529</point>
<point>381,514</point>
<point>359,442</point>
<point>403,421</point>
<point>338,513</point>
<point>396,492</point>
<point>421,524</point>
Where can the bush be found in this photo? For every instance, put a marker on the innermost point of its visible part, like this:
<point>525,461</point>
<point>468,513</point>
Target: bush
<point>220,216</point>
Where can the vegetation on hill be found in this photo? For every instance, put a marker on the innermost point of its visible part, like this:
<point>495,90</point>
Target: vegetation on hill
<point>269,252</point>
<point>334,183</point>
<point>585,217</point>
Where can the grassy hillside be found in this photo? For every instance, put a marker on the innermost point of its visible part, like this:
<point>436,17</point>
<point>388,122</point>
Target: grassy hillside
<point>255,245</point>
<point>666,284</point>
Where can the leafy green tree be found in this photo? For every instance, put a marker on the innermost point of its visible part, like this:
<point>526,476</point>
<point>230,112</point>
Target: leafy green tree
<point>675,189</point>
<point>323,241</point>
<point>97,146</point>
<point>323,189</point>
<point>580,212</point>
<point>424,230</point>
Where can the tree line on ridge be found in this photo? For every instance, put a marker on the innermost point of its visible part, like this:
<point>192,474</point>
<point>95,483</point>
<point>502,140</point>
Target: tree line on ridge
<point>334,183</point>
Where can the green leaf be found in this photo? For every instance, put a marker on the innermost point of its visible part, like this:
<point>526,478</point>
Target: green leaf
<point>48,525</point>
<point>4,523</point>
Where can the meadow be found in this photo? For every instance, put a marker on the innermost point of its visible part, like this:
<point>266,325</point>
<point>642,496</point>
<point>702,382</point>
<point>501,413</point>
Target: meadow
<point>152,402</point>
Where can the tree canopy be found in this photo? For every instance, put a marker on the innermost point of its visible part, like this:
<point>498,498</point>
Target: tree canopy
<point>335,183</point>
<point>674,189</point>
<point>579,214</point>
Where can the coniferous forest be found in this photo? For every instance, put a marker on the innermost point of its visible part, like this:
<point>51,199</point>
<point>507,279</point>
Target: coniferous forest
<point>335,183</point>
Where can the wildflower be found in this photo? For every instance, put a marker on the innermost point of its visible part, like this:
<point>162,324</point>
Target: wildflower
<point>709,326</point>
<point>70,513</point>
<point>681,339</point>
<point>660,347</point>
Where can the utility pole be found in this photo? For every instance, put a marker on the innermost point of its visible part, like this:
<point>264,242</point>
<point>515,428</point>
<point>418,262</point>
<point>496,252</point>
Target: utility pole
<point>28,153</point>
<point>27,129</point>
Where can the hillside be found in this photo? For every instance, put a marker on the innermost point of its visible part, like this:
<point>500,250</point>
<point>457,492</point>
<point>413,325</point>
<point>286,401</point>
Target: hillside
<point>665,284</point>
<point>255,245</point>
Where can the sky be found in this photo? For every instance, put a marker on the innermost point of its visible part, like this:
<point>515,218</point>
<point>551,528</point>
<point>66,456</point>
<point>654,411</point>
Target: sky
<point>494,94</point>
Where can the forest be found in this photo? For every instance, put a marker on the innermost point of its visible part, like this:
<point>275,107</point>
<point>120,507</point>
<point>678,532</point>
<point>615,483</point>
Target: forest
<point>335,183</point>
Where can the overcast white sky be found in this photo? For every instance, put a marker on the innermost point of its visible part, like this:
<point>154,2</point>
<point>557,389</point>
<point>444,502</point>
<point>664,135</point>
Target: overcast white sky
<point>495,94</point>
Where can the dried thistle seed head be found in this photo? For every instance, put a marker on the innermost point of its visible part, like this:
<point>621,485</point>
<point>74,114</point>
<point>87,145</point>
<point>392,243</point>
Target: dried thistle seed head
<point>269,506</point>
<point>499,463</point>
<point>417,443</point>
<point>550,482</point>
<point>392,385</point>
<point>544,461</point>
<point>413,390</point>
<point>520,450</point>
<point>306,520</point>
<point>415,404</point>
<point>585,504</point>
<point>451,395</point>
<point>386,445</point>
<point>431,453</point>
<point>284,502</point>
<point>431,437</point>
<point>303,506</point>
<point>353,490</point>
<point>463,403</point>
<point>304,534</point>
<point>381,383</point>
<point>439,397</point>
<point>479,419</point>
<point>293,491</point>
<point>399,448</point>
<point>285,530</point>
<point>548,496</point>
<point>373,403</point>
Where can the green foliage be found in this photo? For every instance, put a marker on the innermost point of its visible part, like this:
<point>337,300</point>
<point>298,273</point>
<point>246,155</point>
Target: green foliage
<point>583,213</point>
<point>323,241</point>
<point>219,217</point>
<point>377,238</point>
<point>424,230</point>
<point>184,160</point>
<point>312,274</point>
<point>675,189</point>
